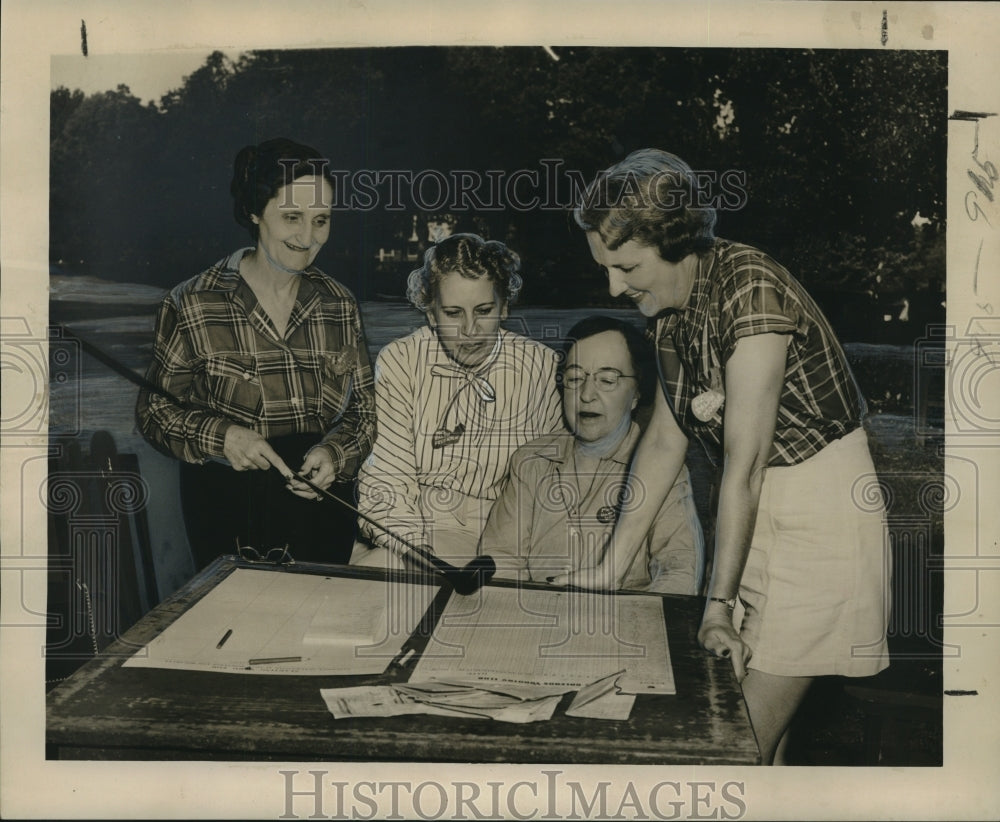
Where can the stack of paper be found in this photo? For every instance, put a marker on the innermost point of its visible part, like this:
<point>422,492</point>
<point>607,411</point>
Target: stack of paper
<point>365,624</point>
<point>513,704</point>
<point>502,702</point>
<point>538,637</point>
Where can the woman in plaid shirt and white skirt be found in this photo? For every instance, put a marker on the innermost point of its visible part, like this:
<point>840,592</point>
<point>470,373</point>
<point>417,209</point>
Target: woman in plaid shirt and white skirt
<point>751,368</point>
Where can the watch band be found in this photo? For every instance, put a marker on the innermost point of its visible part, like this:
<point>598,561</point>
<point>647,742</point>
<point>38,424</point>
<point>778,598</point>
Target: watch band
<point>729,603</point>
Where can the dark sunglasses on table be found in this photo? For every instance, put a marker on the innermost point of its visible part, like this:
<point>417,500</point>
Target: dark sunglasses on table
<point>273,556</point>
<point>605,379</point>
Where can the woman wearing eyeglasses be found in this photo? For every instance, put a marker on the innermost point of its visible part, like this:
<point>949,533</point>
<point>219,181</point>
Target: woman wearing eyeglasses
<point>454,400</point>
<point>565,492</point>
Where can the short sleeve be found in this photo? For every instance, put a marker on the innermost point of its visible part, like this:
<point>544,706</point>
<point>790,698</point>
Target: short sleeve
<point>753,299</point>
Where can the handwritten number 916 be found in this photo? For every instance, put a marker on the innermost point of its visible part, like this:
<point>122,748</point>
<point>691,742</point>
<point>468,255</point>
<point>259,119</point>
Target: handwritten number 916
<point>985,185</point>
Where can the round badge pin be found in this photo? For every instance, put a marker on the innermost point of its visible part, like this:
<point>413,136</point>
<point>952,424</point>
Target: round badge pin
<point>606,514</point>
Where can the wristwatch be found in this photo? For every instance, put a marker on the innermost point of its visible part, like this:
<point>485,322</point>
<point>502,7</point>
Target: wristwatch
<point>729,603</point>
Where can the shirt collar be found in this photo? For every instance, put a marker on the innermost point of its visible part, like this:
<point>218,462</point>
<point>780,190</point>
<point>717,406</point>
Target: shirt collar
<point>442,357</point>
<point>669,320</point>
<point>226,277</point>
<point>622,455</point>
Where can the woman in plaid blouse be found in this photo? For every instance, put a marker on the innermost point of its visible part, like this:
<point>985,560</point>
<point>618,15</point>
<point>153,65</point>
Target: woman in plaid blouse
<point>751,368</point>
<point>263,364</point>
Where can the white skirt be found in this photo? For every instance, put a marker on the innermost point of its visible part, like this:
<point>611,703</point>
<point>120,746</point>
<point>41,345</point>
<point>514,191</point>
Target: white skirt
<point>816,587</point>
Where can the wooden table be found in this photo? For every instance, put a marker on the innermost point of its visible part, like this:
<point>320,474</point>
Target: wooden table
<point>106,711</point>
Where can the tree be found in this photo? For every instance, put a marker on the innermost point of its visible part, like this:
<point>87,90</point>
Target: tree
<point>839,150</point>
<point>98,209</point>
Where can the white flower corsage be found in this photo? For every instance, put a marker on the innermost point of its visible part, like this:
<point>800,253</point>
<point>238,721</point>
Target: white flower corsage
<point>707,403</point>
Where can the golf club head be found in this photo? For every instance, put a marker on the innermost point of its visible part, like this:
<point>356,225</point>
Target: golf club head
<point>473,576</point>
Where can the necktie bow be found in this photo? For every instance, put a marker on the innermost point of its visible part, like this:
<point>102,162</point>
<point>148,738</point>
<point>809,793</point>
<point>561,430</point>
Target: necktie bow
<point>480,385</point>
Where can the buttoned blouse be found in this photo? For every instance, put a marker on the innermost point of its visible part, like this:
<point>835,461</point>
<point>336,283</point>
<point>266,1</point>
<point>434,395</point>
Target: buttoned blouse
<point>217,351</point>
<point>551,516</point>
<point>739,291</point>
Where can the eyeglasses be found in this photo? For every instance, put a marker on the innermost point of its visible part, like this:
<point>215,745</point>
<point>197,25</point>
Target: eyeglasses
<point>605,379</point>
<point>273,556</point>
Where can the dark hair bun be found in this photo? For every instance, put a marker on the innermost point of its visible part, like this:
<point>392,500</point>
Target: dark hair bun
<point>260,171</point>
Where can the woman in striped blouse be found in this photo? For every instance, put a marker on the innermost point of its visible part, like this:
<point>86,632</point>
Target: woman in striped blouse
<point>454,400</point>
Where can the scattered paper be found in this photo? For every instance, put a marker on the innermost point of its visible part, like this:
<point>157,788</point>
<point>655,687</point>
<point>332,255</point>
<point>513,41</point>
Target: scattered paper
<point>602,700</point>
<point>503,702</point>
<point>447,700</point>
<point>374,701</point>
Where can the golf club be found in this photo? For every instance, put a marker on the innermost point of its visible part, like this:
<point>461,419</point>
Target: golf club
<point>466,580</point>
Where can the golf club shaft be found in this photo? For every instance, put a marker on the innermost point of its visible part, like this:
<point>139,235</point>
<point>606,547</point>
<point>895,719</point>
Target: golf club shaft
<point>428,558</point>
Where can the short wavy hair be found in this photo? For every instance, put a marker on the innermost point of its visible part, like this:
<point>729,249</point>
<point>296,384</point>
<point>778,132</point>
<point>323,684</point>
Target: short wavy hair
<point>651,197</point>
<point>470,256</point>
<point>639,350</point>
<point>260,171</point>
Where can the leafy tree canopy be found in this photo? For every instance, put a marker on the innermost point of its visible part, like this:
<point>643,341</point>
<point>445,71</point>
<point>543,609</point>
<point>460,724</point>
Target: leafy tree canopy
<point>839,151</point>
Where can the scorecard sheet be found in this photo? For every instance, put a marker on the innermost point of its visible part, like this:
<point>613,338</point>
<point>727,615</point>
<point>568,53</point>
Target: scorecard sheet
<point>537,637</point>
<point>302,623</point>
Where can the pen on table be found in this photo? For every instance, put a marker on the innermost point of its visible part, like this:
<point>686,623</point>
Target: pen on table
<point>225,636</point>
<point>274,659</point>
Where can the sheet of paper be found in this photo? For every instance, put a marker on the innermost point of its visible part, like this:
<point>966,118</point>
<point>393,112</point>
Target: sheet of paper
<point>602,700</point>
<point>446,700</point>
<point>331,626</point>
<point>565,638</point>
<point>375,701</point>
<point>310,622</point>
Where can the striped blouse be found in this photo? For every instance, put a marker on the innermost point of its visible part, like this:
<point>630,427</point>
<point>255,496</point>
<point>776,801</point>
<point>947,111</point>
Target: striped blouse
<point>447,430</point>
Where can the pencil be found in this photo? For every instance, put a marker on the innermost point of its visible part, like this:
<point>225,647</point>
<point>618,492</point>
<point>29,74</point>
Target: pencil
<point>274,659</point>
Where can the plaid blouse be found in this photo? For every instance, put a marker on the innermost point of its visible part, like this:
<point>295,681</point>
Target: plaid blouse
<point>217,351</point>
<point>740,291</point>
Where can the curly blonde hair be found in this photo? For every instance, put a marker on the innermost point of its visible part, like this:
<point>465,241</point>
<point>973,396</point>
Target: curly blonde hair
<point>472,257</point>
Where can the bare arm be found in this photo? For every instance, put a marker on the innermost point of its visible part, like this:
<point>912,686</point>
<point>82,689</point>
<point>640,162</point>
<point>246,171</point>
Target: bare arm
<point>657,462</point>
<point>754,379</point>
<point>676,543</point>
